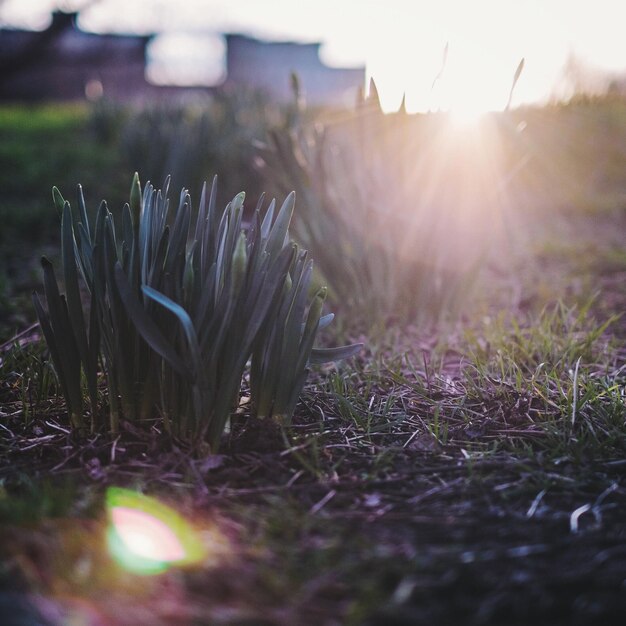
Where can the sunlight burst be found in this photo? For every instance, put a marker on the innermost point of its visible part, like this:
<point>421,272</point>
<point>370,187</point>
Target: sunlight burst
<point>465,80</point>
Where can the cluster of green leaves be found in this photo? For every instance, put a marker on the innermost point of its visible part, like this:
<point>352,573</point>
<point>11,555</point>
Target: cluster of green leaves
<point>383,251</point>
<point>177,308</point>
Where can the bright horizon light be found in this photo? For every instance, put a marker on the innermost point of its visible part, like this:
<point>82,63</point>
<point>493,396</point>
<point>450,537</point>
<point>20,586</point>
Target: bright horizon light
<point>400,43</point>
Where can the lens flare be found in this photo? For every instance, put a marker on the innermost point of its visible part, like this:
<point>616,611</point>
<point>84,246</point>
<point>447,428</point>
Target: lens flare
<point>464,117</point>
<point>147,537</point>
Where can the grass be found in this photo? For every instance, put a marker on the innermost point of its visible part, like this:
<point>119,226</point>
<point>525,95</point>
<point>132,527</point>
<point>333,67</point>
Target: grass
<point>40,147</point>
<point>478,479</point>
<point>472,473</point>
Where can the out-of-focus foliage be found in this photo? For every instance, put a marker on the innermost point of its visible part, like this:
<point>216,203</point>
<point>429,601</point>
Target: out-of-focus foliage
<point>390,240</point>
<point>402,211</point>
<point>189,142</point>
<point>524,168</point>
<point>42,146</point>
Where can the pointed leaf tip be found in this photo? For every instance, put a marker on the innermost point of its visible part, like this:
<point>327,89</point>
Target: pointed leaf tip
<point>402,108</point>
<point>58,199</point>
<point>135,199</point>
<point>373,96</point>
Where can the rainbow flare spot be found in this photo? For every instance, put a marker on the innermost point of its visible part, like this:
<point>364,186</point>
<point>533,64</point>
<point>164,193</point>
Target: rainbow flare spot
<point>147,537</point>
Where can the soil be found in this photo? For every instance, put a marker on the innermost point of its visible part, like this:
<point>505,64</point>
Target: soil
<point>429,537</point>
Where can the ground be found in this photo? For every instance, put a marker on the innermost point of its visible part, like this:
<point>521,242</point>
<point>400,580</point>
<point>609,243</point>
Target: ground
<point>426,482</point>
<point>471,472</point>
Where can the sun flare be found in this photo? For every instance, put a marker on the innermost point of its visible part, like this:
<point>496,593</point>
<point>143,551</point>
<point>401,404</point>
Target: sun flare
<point>464,115</point>
<point>465,80</point>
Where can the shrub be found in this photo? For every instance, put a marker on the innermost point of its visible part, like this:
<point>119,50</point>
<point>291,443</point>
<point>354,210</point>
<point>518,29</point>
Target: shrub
<point>177,307</point>
<point>393,207</point>
<point>188,140</point>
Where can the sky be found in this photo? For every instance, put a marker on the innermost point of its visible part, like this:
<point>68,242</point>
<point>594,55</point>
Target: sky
<point>401,42</point>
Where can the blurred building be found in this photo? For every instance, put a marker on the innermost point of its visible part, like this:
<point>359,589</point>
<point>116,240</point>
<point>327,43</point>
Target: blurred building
<point>268,66</point>
<point>64,63</point>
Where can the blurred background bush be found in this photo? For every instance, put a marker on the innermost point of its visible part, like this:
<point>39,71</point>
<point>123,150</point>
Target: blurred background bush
<point>402,213</point>
<point>96,145</point>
